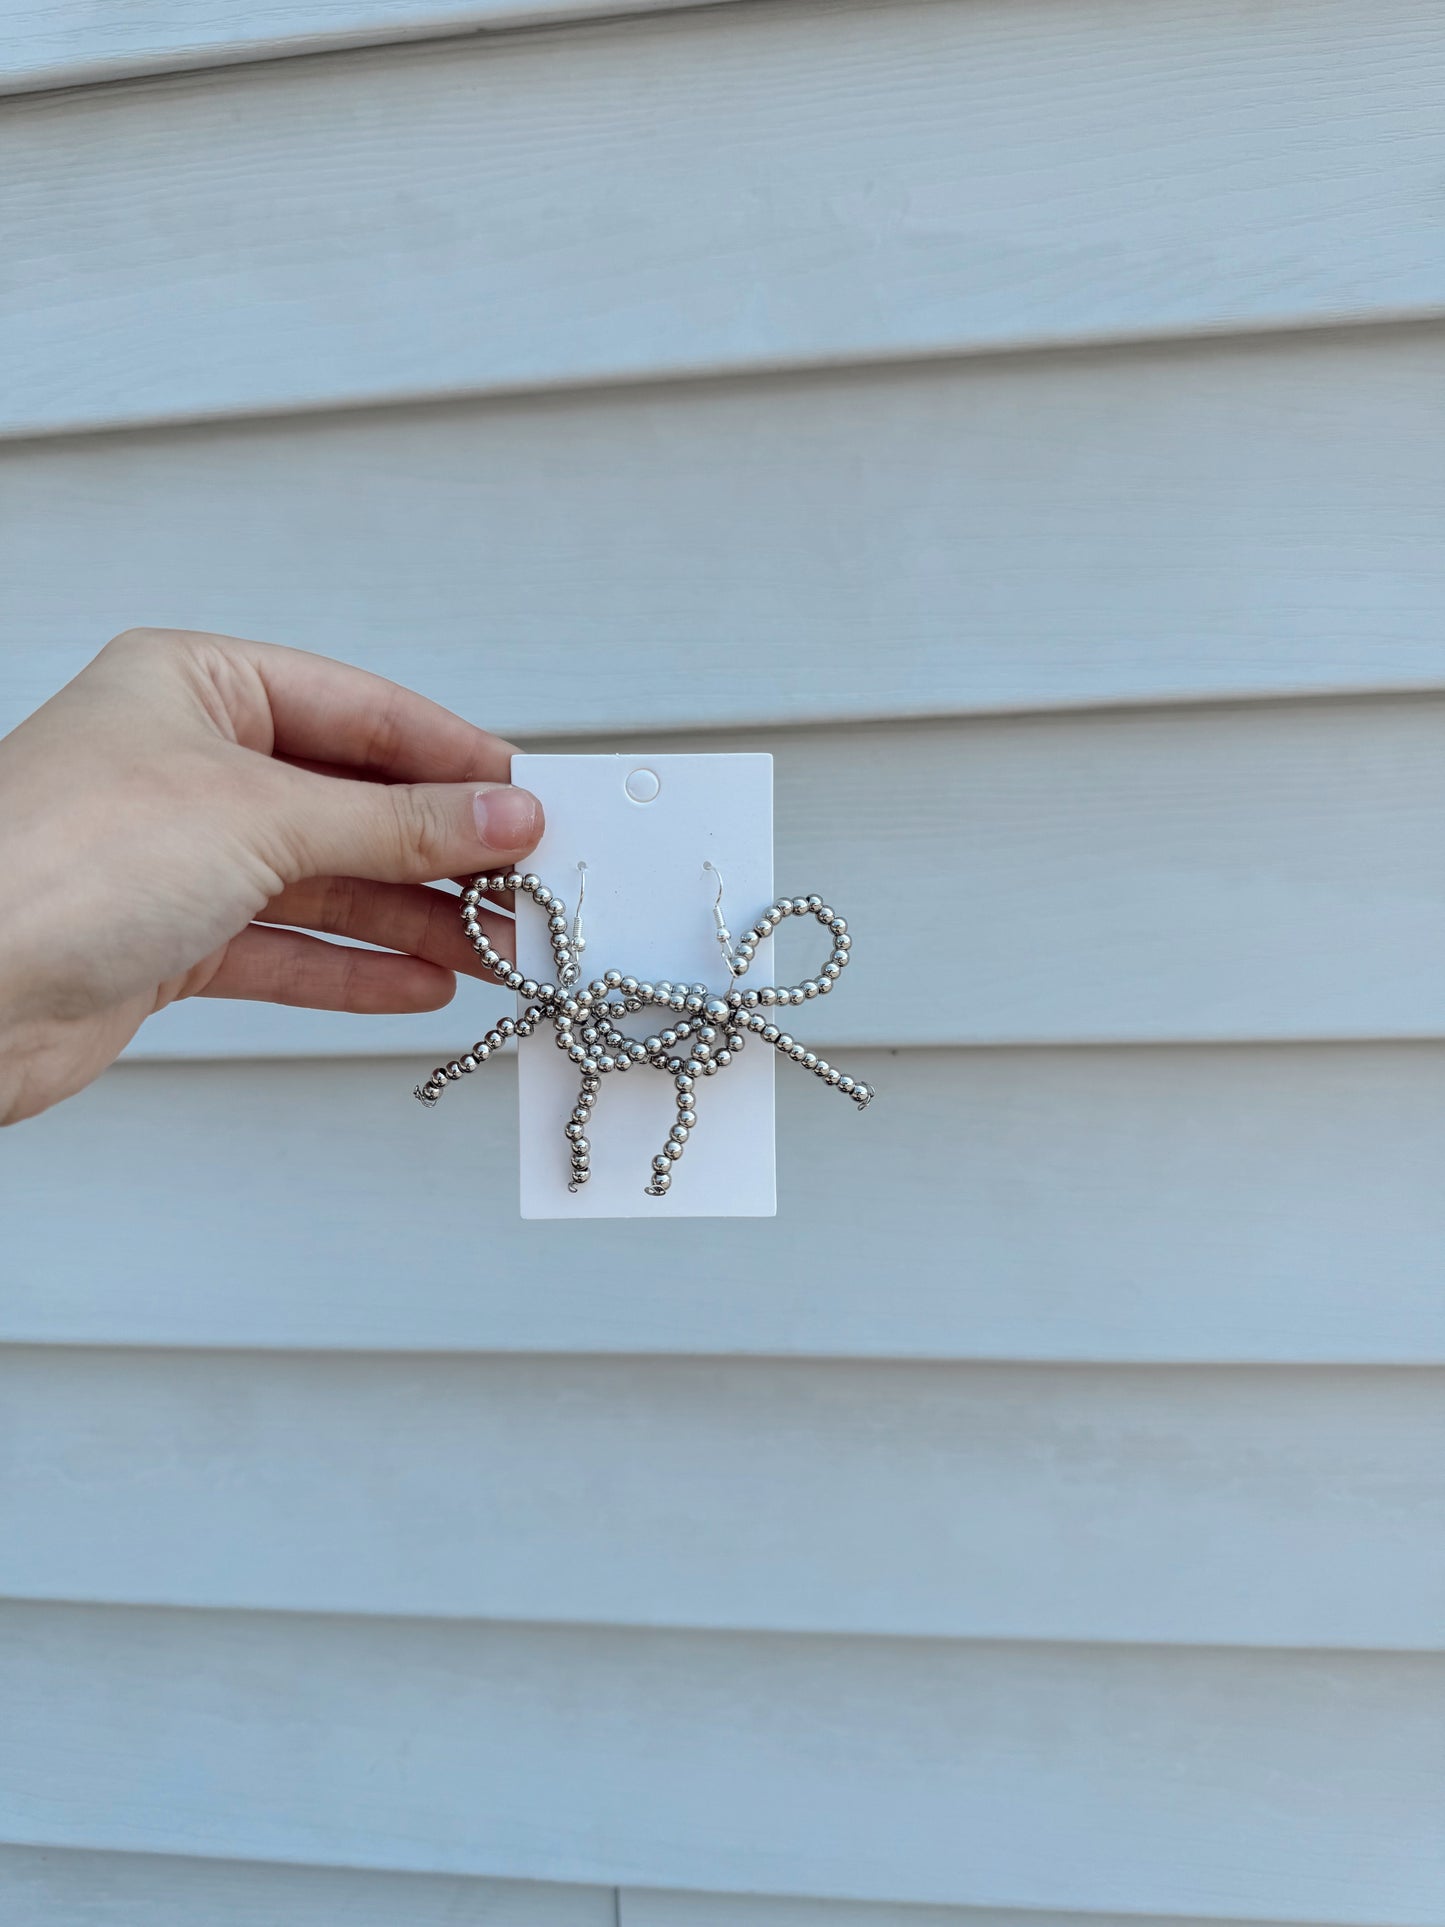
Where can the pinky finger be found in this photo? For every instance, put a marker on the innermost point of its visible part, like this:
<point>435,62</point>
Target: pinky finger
<point>285,967</point>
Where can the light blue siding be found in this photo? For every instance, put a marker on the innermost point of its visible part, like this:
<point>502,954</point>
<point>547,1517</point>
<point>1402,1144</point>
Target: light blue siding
<point>1023,417</point>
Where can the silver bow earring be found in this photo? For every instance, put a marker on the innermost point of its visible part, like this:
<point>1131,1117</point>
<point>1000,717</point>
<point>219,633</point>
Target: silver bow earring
<point>704,1033</point>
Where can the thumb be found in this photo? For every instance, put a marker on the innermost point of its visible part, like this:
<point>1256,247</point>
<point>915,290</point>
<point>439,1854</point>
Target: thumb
<point>405,832</point>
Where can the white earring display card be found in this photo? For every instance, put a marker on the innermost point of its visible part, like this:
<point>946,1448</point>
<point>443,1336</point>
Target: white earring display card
<point>645,827</point>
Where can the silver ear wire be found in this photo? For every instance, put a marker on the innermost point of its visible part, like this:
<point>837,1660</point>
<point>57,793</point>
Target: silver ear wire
<point>724,935</point>
<point>579,942</point>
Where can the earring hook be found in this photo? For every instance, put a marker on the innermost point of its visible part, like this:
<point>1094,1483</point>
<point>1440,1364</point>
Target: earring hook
<point>579,942</point>
<point>724,935</point>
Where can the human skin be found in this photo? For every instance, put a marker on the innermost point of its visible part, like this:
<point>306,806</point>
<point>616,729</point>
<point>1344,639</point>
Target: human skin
<point>176,817</point>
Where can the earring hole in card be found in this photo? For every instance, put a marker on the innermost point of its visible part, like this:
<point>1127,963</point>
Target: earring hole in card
<point>643,785</point>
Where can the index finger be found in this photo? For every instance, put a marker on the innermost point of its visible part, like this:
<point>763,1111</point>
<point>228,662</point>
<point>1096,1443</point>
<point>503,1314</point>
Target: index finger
<point>324,711</point>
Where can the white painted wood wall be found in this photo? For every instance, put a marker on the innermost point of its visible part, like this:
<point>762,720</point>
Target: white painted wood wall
<point>1025,417</point>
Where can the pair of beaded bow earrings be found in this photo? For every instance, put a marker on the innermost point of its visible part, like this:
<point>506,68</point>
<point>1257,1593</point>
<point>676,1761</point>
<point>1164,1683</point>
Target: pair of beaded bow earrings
<point>703,1034</point>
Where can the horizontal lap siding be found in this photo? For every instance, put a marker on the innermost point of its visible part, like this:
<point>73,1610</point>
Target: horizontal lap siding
<point>46,1887</point>
<point>1197,1205</point>
<point>67,43</point>
<point>1266,872</point>
<point>1235,1784</point>
<point>724,188</point>
<point>50,1887</point>
<point>1245,1507</point>
<point>1222,518</point>
<point>659,1907</point>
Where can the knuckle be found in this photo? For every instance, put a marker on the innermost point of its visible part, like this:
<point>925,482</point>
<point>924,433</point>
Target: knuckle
<point>420,831</point>
<point>383,741</point>
<point>338,902</point>
<point>143,641</point>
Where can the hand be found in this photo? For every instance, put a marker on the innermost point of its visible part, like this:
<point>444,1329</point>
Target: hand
<point>188,795</point>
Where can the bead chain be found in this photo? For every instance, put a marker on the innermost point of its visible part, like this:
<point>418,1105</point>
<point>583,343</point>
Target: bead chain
<point>713,1029</point>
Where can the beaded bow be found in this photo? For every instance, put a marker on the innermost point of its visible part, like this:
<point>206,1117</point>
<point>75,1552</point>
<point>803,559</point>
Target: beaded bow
<point>711,1030</point>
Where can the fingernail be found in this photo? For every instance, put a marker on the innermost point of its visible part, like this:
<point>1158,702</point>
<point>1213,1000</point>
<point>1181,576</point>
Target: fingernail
<point>507,818</point>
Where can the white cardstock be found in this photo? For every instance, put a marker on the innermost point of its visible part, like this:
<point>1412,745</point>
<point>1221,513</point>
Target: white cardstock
<point>645,826</point>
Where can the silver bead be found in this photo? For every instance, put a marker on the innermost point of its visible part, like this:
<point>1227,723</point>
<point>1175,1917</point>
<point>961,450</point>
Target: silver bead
<point>809,1060</point>
<point>687,1117</point>
<point>723,1058</point>
<point>768,995</point>
<point>542,895</point>
<point>531,883</point>
<point>845,1085</point>
<point>660,1182</point>
<point>662,1162</point>
<point>784,1041</point>
<point>862,1095</point>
